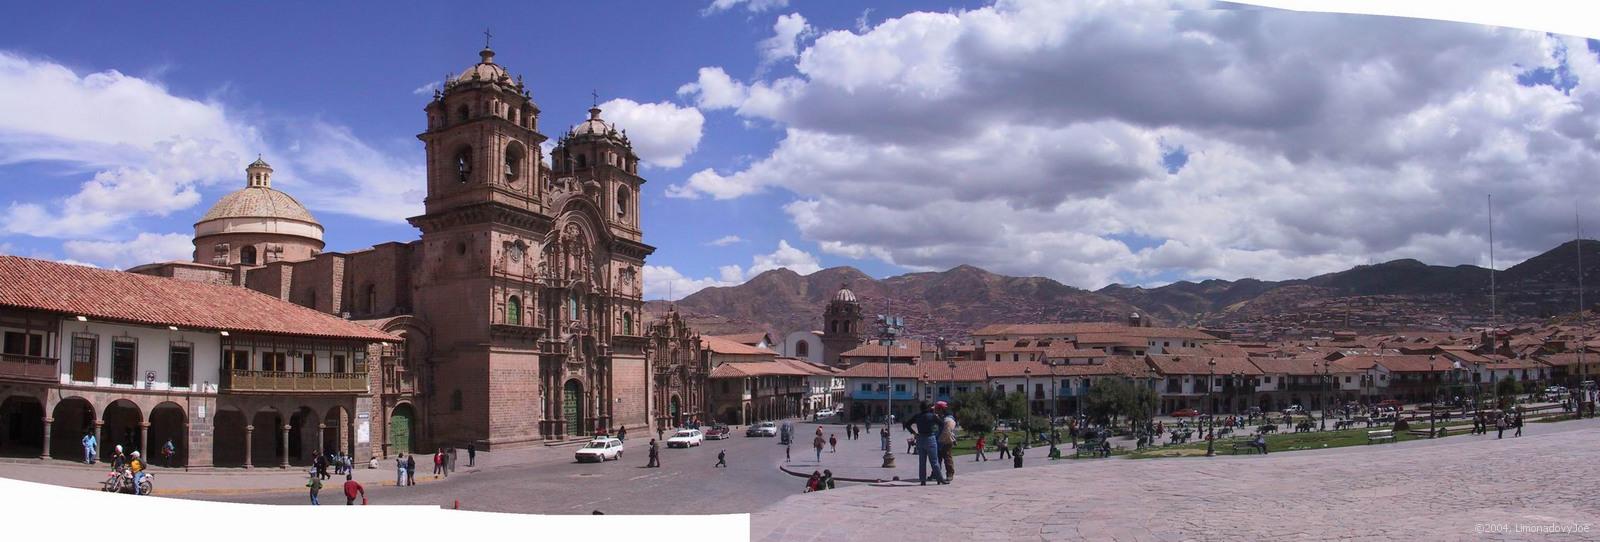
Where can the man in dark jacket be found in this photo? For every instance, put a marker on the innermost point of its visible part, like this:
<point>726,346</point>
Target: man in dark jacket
<point>926,425</point>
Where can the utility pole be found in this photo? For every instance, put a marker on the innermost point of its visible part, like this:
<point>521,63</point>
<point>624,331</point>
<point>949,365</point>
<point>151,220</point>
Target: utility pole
<point>1583,329</point>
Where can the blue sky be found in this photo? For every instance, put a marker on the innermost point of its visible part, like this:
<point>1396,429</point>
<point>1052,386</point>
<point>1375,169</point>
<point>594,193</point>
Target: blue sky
<point>1125,144</point>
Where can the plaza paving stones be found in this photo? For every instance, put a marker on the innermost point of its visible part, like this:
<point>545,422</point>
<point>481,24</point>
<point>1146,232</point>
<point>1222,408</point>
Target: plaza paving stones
<point>1457,488</point>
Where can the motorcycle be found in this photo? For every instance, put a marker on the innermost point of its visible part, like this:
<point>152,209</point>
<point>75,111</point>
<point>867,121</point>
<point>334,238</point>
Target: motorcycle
<point>121,481</point>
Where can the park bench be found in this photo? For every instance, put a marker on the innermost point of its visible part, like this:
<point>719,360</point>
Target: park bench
<point>1089,446</point>
<point>1380,435</point>
<point>1341,425</point>
<point>1246,445</point>
<point>1303,427</point>
<point>1267,429</point>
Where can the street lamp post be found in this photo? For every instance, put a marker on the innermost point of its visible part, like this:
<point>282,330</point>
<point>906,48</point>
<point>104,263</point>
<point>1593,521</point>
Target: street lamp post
<point>891,328</point>
<point>1433,403</point>
<point>1211,408</point>
<point>1327,378</point>
<point>950,392</point>
<point>1055,398</point>
<point>1027,415</point>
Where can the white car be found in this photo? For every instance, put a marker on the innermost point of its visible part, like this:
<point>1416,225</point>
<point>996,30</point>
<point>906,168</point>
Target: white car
<point>685,438</point>
<point>763,429</point>
<point>599,450</point>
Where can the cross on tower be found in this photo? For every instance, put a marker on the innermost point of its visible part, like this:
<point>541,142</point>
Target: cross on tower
<point>596,95</point>
<point>486,37</point>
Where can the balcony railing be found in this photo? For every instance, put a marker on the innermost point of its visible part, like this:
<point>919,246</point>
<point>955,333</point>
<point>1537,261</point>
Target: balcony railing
<point>253,381</point>
<point>32,368</point>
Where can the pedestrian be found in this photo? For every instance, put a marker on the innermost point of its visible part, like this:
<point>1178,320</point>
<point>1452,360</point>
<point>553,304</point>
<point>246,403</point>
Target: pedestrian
<point>315,484</point>
<point>722,459</point>
<point>90,445</point>
<point>167,451</point>
<point>655,456</point>
<point>869,427</point>
<point>980,456</point>
<point>472,454</point>
<point>833,443</point>
<point>411,470</point>
<point>1016,456</point>
<point>786,451</point>
<point>911,445</point>
<point>399,470</point>
<point>438,463</point>
<point>449,461</point>
<point>884,435</point>
<point>1004,446</point>
<point>947,439</point>
<point>1500,426</point>
<point>817,442</point>
<point>1518,423</point>
<point>353,488</point>
<point>926,427</point>
<point>622,435</point>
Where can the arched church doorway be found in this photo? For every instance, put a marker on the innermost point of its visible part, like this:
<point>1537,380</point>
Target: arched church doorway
<point>400,423</point>
<point>676,409</point>
<point>572,407</point>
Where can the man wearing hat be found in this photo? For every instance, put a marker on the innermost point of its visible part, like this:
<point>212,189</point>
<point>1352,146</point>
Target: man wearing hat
<point>925,426</point>
<point>947,439</point>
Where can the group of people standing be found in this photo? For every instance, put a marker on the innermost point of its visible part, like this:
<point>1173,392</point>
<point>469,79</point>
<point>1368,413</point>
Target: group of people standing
<point>934,434</point>
<point>1505,420</point>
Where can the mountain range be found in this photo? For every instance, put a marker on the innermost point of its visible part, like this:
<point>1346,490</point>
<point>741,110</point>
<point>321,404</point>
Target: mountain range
<point>1389,296</point>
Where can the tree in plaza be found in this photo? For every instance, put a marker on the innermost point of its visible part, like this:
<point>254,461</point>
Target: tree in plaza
<point>974,413</point>
<point>1111,399</point>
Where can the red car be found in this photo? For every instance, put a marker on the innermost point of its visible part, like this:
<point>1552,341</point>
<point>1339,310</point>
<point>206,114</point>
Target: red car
<point>1185,413</point>
<point>1395,403</point>
<point>717,433</point>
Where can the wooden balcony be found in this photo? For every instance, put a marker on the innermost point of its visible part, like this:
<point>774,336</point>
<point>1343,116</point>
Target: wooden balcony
<point>282,381</point>
<point>28,368</point>
<point>397,380</point>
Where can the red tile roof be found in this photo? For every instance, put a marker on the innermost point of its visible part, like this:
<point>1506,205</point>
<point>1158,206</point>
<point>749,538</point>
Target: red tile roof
<point>721,345</point>
<point>876,370</point>
<point>1199,365</point>
<point>1079,328</point>
<point>743,369</point>
<point>101,294</point>
<point>902,349</point>
<point>748,339</point>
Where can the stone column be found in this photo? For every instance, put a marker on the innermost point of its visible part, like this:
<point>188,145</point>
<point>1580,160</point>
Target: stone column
<point>284,464</point>
<point>45,453</point>
<point>100,437</point>
<point>249,446</point>
<point>144,440</point>
<point>322,435</point>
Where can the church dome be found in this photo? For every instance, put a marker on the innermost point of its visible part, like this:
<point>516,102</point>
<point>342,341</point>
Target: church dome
<point>258,202</point>
<point>485,69</point>
<point>844,295</point>
<point>258,208</point>
<point>593,126</point>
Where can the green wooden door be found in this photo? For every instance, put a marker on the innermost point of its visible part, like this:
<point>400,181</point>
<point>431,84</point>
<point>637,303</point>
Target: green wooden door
<point>400,430</point>
<point>571,407</point>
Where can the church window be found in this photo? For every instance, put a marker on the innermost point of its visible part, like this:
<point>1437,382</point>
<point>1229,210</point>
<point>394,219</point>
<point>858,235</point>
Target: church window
<point>371,298</point>
<point>462,113</point>
<point>627,324</point>
<point>622,201</point>
<point>847,326</point>
<point>463,164</point>
<point>247,255</point>
<point>802,349</point>
<point>455,401</point>
<point>572,306</point>
<point>582,162</point>
<point>833,326</point>
<point>514,311</point>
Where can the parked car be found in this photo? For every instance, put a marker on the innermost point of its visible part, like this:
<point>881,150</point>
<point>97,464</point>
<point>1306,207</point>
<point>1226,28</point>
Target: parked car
<point>599,450</point>
<point>1253,411</point>
<point>717,432</point>
<point>1185,413</point>
<point>1294,409</point>
<point>763,429</point>
<point>1555,391</point>
<point>685,438</point>
<point>1390,403</point>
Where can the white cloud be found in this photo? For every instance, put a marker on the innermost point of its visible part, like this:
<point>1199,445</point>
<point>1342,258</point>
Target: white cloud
<point>662,281</point>
<point>339,173</point>
<point>1027,137</point>
<point>144,248</point>
<point>662,133</point>
<point>787,33</point>
<point>427,90</point>
<point>753,6</point>
<point>725,241</point>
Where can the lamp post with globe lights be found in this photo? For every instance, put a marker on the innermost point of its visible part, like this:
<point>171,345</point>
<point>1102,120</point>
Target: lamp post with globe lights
<point>889,329</point>
<point>1211,407</point>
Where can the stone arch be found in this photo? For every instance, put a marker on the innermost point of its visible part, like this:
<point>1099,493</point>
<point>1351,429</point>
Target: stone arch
<point>675,410</point>
<point>622,201</point>
<point>572,406</point>
<point>228,437</point>
<point>514,310</point>
<point>627,323</point>
<point>247,255</point>
<point>802,349</point>
<point>122,424</point>
<point>335,432</point>
<point>461,160</point>
<point>169,422</point>
<point>515,157</point>
<point>304,438</point>
<point>73,418</point>
<point>22,426</point>
<point>266,444</point>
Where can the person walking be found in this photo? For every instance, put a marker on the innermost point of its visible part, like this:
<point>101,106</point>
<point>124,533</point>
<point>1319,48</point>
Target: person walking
<point>1016,456</point>
<point>817,442</point>
<point>1500,427</point>
<point>884,434</point>
<point>472,454</point>
<point>786,451</point>
<point>90,445</point>
<point>655,456</point>
<point>352,488</point>
<point>722,459</point>
<point>399,470</point>
<point>980,456</point>
<point>833,443</point>
<point>925,426</point>
<point>411,470</point>
<point>1517,422</point>
<point>1004,446</point>
<point>947,439</point>
<point>438,463</point>
<point>622,433</point>
<point>315,484</point>
<point>167,451</point>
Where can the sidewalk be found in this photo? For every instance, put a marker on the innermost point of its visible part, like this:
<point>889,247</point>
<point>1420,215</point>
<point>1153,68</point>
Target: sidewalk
<point>862,460</point>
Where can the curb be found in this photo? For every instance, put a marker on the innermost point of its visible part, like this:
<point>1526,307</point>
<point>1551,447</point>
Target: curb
<point>785,470</point>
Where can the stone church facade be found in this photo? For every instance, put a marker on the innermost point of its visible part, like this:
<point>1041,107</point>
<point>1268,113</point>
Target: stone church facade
<point>521,304</point>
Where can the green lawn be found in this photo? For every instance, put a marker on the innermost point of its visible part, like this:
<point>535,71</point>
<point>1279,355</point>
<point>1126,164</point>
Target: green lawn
<point>1281,442</point>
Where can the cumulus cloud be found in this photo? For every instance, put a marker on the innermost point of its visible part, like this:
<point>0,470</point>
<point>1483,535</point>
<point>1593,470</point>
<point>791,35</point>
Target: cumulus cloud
<point>663,133</point>
<point>787,33</point>
<point>753,6</point>
<point>143,248</point>
<point>148,152</point>
<point>725,241</point>
<point>660,282</point>
<point>1036,137</point>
